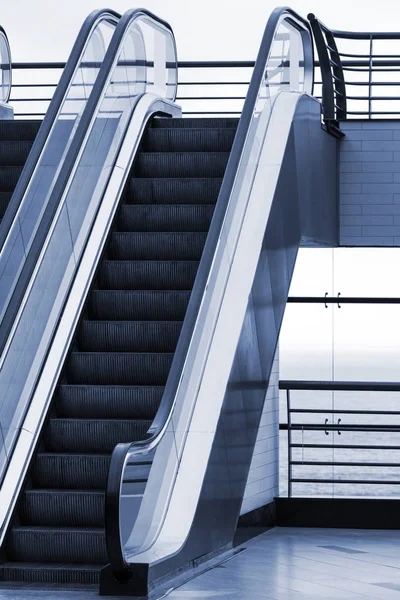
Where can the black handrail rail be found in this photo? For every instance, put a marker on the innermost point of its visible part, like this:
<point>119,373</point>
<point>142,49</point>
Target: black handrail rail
<point>30,165</point>
<point>2,32</point>
<point>341,386</point>
<point>333,83</point>
<point>116,555</point>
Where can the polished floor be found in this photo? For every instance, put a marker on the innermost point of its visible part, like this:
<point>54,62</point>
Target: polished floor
<point>286,564</point>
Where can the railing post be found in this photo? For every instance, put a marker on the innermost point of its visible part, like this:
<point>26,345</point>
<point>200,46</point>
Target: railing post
<point>289,438</point>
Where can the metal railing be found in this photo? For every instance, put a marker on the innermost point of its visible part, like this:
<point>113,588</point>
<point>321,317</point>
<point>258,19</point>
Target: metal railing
<point>339,443</point>
<point>334,106</point>
<point>212,88</point>
<point>205,88</point>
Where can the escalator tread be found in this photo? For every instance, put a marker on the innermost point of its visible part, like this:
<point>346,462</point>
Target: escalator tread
<point>114,376</point>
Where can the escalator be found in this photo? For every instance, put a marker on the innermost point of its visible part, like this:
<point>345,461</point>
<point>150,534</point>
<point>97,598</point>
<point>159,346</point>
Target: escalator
<point>16,139</point>
<point>114,377</point>
<point>161,276</point>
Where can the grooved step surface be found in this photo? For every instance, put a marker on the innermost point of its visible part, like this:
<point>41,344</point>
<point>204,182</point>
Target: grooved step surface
<point>204,122</point>
<point>117,368</point>
<point>92,435</point>
<point>158,305</point>
<point>59,508</point>
<point>70,471</point>
<point>50,573</point>
<point>16,139</point>
<point>19,130</point>
<point>9,177</point>
<point>156,246</point>
<point>111,402</point>
<point>181,164</point>
<point>174,190</point>
<point>129,336</point>
<point>157,218</point>
<point>184,139</point>
<point>145,274</point>
<point>50,544</point>
<point>14,152</point>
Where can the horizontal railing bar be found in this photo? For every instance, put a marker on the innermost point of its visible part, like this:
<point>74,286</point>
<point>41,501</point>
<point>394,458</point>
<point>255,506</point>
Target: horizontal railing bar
<point>385,112</point>
<point>39,99</point>
<point>337,411</point>
<point>213,83</point>
<point>366,56</point>
<point>386,60</point>
<point>345,446</point>
<point>373,83</point>
<point>211,97</point>
<point>311,463</point>
<point>216,64</point>
<point>365,35</point>
<point>34,85</point>
<point>38,65</point>
<point>344,427</point>
<point>347,481</point>
<point>349,386</point>
<point>211,112</point>
<point>342,299</point>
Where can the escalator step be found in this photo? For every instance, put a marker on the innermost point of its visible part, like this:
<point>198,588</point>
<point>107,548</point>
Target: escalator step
<point>196,123</point>
<point>176,190</point>
<point>9,177</point>
<point>14,153</point>
<point>19,129</point>
<point>188,139</point>
<point>129,336</point>
<point>196,217</point>
<point>181,164</point>
<point>157,246</point>
<point>144,305</point>
<point>62,508</point>
<point>70,471</point>
<point>151,275</point>
<point>48,544</point>
<point>119,368</point>
<point>108,402</point>
<point>33,572</point>
<point>92,435</point>
<point>5,198</point>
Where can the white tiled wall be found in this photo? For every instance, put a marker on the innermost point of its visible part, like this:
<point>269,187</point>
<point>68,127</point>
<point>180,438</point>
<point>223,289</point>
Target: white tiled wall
<point>263,480</point>
<point>370,183</point>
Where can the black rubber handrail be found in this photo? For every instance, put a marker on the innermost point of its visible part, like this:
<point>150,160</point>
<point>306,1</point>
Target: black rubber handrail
<point>112,502</point>
<point>2,32</point>
<point>29,168</point>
